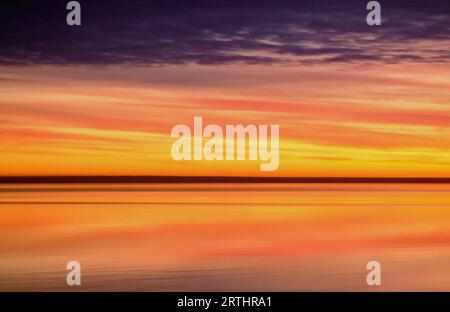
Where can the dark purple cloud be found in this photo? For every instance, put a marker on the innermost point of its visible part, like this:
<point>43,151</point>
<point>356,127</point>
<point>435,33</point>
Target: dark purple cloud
<point>219,32</point>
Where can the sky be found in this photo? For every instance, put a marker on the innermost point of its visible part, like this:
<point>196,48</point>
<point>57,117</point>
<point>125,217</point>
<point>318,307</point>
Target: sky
<point>102,98</point>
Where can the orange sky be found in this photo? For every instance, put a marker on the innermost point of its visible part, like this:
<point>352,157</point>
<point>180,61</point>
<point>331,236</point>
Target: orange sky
<point>335,120</point>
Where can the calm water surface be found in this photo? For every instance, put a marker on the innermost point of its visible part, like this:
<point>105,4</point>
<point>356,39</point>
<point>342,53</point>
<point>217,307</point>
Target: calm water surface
<point>225,236</point>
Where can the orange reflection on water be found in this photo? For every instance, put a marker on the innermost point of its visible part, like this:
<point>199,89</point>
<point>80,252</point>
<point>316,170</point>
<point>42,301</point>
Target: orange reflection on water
<point>225,236</point>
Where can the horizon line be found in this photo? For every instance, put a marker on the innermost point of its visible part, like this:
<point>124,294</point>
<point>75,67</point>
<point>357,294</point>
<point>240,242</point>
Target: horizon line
<point>68,179</point>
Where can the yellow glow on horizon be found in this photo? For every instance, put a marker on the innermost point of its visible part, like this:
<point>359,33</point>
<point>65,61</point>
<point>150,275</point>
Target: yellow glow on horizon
<point>387,120</point>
